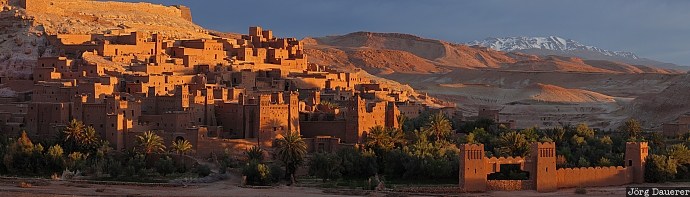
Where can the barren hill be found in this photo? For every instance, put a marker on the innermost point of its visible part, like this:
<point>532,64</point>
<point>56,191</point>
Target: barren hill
<point>533,90</point>
<point>92,17</point>
<point>663,107</point>
<point>535,93</point>
<point>394,52</point>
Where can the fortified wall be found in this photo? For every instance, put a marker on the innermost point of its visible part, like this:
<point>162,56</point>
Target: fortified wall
<point>186,13</point>
<point>543,174</point>
<point>32,5</point>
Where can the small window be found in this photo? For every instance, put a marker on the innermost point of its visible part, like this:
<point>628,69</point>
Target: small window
<point>629,162</point>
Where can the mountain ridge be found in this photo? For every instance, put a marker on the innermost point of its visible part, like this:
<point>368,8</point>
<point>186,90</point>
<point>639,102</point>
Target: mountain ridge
<point>554,45</point>
<point>392,52</point>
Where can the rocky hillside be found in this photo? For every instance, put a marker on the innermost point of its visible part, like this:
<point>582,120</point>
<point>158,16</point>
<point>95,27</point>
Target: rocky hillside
<point>22,33</point>
<point>91,17</point>
<point>21,43</point>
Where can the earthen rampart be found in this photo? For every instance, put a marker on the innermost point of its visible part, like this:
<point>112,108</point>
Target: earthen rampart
<point>593,176</point>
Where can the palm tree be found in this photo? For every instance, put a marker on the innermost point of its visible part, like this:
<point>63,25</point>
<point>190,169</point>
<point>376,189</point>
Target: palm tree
<point>149,143</point>
<point>439,125</point>
<point>254,154</point>
<point>290,150</point>
<point>74,130</point>
<point>386,139</point>
<point>378,138</point>
<point>181,146</point>
<point>632,128</point>
<point>513,144</point>
<point>89,138</point>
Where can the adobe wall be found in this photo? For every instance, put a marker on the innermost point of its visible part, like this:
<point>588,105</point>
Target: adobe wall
<point>325,128</point>
<point>509,185</point>
<point>186,13</point>
<point>544,176</point>
<point>34,5</point>
<point>594,176</point>
<point>210,146</point>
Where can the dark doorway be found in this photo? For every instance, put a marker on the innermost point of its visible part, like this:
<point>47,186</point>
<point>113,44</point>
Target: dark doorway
<point>509,172</point>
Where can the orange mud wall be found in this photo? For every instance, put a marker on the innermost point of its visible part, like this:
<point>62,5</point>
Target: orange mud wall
<point>544,176</point>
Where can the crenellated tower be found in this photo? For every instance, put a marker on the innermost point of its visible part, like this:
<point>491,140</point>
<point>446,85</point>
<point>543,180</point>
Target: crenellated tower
<point>635,155</point>
<point>544,173</point>
<point>473,174</point>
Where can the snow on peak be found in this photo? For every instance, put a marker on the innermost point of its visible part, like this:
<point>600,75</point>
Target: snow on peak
<point>548,43</point>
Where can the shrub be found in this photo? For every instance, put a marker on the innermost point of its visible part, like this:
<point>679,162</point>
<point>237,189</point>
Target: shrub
<point>257,173</point>
<point>76,161</point>
<point>254,153</point>
<point>113,167</point>
<point>165,166</point>
<point>325,166</point>
<point>659,169</point>
<point>203,170</point>
<point>276,173</point>
<point>226,161</point>
<point>580,190</point>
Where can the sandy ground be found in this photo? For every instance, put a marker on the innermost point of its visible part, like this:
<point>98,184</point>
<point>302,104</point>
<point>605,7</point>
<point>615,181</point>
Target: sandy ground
<point>222,188</point>
<point>229,188</point>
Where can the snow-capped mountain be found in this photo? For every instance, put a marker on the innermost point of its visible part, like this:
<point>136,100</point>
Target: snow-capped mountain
<point>546,43</point>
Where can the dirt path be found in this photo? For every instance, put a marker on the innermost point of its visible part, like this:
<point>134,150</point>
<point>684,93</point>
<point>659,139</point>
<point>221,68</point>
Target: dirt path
<point>230,188</point>
<point>221,188</point>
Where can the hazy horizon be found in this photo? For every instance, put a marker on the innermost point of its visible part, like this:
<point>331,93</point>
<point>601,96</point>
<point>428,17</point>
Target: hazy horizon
<point>651,29</point>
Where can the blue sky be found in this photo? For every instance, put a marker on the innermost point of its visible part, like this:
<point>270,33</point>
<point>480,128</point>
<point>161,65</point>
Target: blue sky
<point>654,29</point>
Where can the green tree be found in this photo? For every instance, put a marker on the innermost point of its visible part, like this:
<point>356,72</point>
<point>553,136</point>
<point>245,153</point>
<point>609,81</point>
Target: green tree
<point>513,144</point>
<point>55,152</point>
<point>583,162</point>
<point>73,133</point>
<point>24,157</point>
<point>632,128</point>
<point>76,161</point>
<point>439,126</point>
<point>659,169</point>
<point>325,166</point>
<point>603,161</point>
<point>378,139</point>
<point>89,138</point>
<point>290,151</point>
<point>470,138</point>
<point>181,147</point>
<point>56,161</point>
<point>680,153</point>
<point>148,142</point>
<point>530,134</point>
<point>584,131</point>
<point>384,139</point>
<point>79,138</point>
<point>481,136</point>
<point>545,139</point>
<point>577,140</point>
<point>356,163</point>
